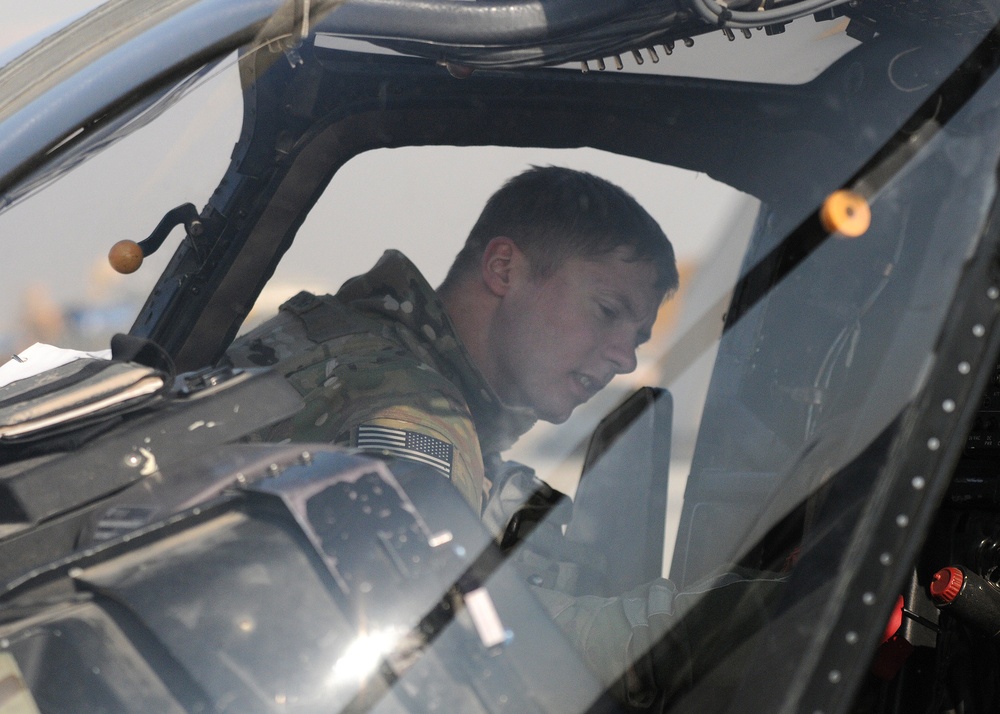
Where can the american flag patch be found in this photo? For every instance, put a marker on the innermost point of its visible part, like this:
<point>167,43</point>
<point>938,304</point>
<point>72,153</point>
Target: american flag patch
<point>405,444</point>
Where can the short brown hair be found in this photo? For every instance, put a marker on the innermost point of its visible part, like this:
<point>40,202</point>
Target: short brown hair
<point>554,213</point>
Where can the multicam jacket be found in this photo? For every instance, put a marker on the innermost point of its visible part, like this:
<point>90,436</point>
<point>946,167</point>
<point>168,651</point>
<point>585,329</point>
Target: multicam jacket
<point>380,368</point>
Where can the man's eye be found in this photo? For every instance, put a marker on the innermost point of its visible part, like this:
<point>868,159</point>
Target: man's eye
<point>608,311</point>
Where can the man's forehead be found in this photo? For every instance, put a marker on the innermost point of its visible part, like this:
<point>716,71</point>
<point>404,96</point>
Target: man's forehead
<point>634,281</point>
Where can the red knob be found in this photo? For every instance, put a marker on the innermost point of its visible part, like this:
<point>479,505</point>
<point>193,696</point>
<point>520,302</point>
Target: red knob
<point>946,584</point>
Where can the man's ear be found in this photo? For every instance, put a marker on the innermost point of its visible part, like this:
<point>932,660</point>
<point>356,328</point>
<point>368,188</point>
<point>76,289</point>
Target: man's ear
<point>502,264</point>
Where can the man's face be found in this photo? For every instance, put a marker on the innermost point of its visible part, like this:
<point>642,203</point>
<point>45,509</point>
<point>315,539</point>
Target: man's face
<point>559,339</point>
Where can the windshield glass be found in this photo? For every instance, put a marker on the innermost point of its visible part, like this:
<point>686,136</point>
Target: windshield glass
<point>62,290</point>
<point>611,461</point>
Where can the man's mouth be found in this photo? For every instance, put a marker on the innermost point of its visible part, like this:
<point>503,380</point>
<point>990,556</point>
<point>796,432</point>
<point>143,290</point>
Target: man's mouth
<point>590,385</point>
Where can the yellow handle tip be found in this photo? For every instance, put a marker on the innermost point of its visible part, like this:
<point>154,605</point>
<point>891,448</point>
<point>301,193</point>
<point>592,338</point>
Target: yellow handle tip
<point>125,256</point>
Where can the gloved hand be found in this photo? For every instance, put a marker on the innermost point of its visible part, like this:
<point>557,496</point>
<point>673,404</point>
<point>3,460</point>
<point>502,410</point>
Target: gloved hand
<point>652,643</point>
<point>519,502</point>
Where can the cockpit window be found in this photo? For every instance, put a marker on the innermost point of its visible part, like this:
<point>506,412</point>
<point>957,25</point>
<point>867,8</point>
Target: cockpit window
<point>109,182</point>
<point>826,192</point>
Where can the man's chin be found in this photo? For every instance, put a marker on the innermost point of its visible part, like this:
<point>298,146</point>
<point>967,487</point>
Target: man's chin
<point>556,415</point>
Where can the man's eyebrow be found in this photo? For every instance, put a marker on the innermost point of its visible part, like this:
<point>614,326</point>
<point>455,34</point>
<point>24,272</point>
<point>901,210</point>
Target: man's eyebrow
<point>627,305</point>
<point>629,308</point>
<point>633,312</point>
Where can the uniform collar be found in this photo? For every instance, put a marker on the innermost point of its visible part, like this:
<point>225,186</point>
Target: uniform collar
<point>395,289</point>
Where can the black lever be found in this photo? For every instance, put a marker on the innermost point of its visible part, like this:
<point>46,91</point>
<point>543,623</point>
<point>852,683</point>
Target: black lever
<point>126,256</point>
<point>186,214</point>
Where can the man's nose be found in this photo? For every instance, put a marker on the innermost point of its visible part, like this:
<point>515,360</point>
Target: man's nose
<point>621,353</point>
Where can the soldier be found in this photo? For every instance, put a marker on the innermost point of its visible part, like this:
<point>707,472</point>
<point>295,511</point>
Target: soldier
<point>558,283</point>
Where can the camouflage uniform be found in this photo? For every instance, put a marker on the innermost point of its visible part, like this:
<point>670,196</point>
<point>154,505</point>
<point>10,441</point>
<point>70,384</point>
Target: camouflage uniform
<point>381,368</point>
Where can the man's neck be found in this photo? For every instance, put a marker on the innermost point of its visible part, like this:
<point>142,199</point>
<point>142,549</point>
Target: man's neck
<point>470,311</point>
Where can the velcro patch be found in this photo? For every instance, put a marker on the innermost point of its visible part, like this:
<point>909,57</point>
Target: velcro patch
<point>411,445</point>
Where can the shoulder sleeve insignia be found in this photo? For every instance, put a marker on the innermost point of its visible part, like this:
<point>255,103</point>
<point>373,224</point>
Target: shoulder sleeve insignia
<point>404,444</point>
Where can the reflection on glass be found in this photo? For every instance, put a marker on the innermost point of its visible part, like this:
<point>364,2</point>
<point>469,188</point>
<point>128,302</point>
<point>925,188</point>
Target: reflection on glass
<point>362,657</point>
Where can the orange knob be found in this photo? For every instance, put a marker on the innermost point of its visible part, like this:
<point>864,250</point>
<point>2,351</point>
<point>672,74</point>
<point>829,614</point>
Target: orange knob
<point>847,213</point>
<point>125,256</point>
